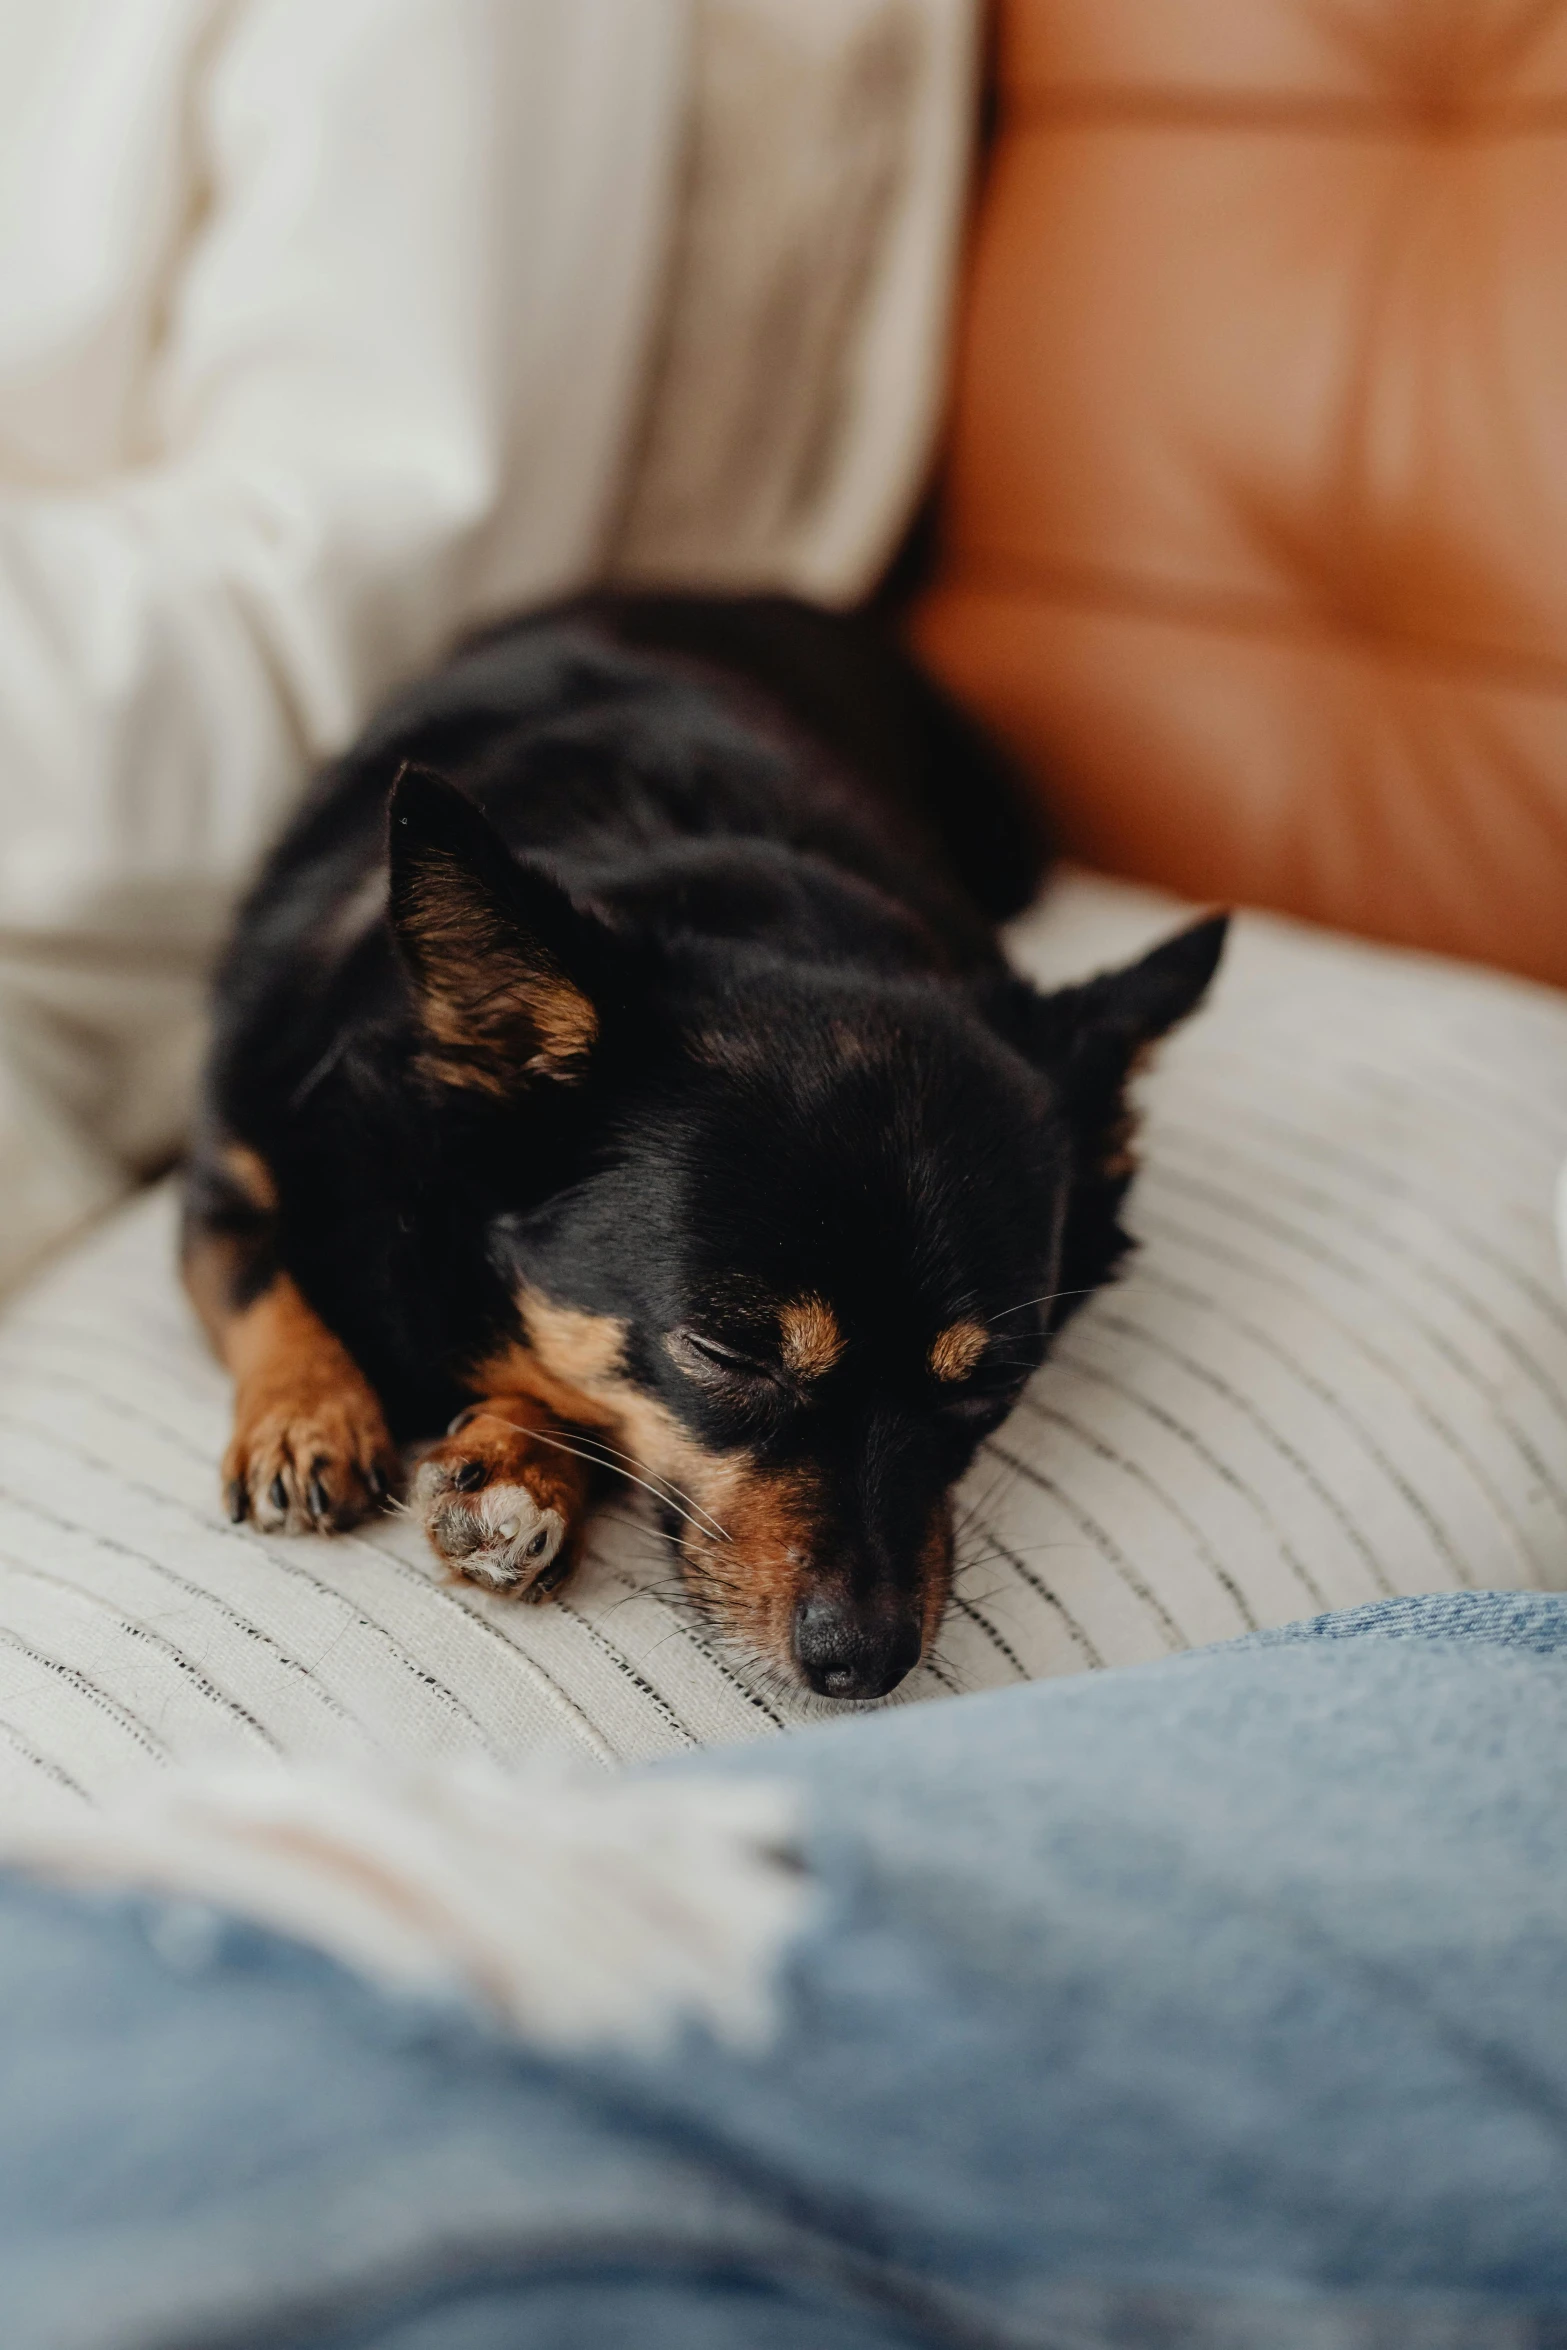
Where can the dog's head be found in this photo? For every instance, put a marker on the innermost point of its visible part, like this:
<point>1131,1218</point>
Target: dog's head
<point>811,1232</point>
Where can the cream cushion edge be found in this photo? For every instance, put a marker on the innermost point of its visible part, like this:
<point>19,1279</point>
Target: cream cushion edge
<point>1336,1369</point>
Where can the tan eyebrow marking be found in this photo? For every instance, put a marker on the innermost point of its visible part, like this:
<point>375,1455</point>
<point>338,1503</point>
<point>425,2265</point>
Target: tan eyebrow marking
<point>958,1349</point>
<point>812,1340</point>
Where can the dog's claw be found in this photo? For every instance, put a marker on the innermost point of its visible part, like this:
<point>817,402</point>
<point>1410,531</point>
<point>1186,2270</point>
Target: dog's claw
<point>312,1466</point>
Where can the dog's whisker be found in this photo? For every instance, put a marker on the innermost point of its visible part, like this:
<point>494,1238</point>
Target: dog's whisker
<point>676,1492</point>
<point>1023,1550</point>
<point>609,1456</point>
<point>1050,1298</point>
<point>983,1598</point>
<point>664,1489</point>
<point>597,1460</point>
<point>650,1549</point>
<point>977,1512</point>
<point>647,1566</point>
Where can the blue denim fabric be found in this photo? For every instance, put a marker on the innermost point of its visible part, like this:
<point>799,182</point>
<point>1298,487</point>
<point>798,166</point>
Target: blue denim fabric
<point>1222,2002</point>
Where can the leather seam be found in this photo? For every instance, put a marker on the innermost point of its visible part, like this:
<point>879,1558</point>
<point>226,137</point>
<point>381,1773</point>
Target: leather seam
<point>1130,597</point>
<point>1434,121</point>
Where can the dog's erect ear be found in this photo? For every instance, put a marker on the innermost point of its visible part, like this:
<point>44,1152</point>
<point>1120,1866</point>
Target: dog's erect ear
<point>1090,1039</point>
<point>1113,1020</point>
<point>505,970</point>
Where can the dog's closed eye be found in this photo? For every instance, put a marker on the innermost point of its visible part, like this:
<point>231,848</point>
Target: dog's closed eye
<point>714,1361</point>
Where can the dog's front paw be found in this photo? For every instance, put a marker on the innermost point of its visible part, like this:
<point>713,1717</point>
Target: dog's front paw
<point>499,1507</point>
<point>309,1458</point>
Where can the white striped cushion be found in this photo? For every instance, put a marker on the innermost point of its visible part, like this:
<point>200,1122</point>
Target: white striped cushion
<point>1338,1368</point>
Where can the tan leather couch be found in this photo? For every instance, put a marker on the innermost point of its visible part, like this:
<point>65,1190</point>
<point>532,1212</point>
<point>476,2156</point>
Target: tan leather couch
<point>1255,528</point>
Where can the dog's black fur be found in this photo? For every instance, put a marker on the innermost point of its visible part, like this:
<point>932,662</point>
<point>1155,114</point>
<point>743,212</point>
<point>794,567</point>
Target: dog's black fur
<point>675,1112</point>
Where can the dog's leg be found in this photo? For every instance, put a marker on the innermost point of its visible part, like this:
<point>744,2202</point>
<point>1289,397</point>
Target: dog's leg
<point>310,1450</point>
<point>502,1499</point>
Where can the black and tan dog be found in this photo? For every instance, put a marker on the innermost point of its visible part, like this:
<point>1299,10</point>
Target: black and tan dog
<point>648,1094</point>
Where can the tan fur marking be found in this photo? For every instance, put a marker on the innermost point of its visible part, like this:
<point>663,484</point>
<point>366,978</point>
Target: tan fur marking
<point>812,1340</point>
<point>563,1023</point>
<point>210,1267</point>
<point>495,1008</point>
<point>575,1346</point>
<point>303,1412</point>
<point>958,1349</point>
<point>250,1175</point>
<point>1120,1161</point>
<point>567,1024</point>
<point>278,1338</point>
<point>731,1051</point>
<point>739,1052</point>
<point>749,1585</point>
<point>936,1558</point>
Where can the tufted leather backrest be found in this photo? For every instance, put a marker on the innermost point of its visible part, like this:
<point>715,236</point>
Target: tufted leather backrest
<point>1255,536</point>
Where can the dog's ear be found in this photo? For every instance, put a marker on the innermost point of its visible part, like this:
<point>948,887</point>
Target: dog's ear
<point>1089,1040</point>
<point>506,973</point>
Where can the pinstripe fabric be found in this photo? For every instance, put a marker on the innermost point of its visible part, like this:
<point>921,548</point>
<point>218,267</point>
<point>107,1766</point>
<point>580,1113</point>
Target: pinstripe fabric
<point>1337,1369</point>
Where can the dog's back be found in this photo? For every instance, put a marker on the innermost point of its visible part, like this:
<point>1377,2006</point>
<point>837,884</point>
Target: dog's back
<point>617,735</point>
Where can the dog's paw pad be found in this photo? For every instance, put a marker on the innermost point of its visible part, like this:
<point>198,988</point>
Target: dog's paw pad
<point>496,1534</point>
<point>500,1499</point>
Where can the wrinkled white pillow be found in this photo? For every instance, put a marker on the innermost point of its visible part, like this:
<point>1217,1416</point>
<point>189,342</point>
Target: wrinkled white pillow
<point>1336,1369</point>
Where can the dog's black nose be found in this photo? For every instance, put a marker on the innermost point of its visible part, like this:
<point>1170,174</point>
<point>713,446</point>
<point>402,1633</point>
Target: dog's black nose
<point>853,1649</point>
